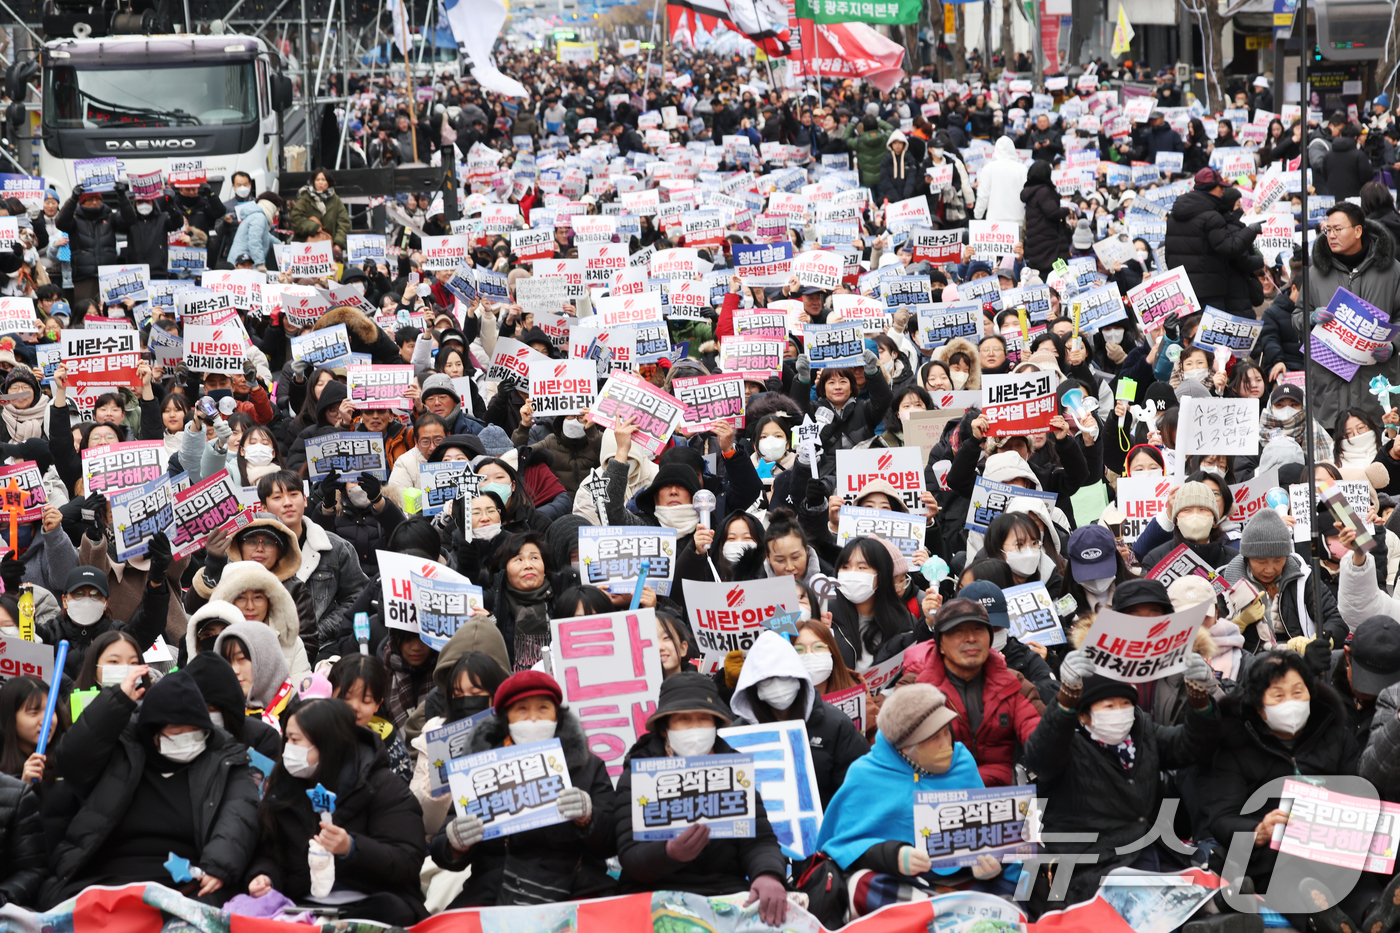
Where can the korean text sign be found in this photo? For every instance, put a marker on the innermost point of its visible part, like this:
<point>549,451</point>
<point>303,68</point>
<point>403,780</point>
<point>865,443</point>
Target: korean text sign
<point>202,508</point>
<point>1137,649</point>
<point>562,387</point>
<point>956,826</point>
<point>443,605</point>
<point>655,412</point>
<point>1032,614</point>
<point>670,795</point>
<point>1218,426</point>
<point>1236,334</point>
<point>1167,293</point>
<point>611,556</point>
<point>609,667</point>
<point>20,658</point>
<point>1019,403</point>
<point>707,399</point>
<point>990,499</point>
<point>728,617</point>
<point>101,357</point>
<point>511,789</point>
<point>1337,829</point>
<point>138,514</point>
<point>444,745</point>
<point>834,346</point>
<point>121,466</point>
<point>906,530</point>
<point>1350,339</point>
<point>31,484</point>
<point>379,385</point>
<point>346,452</point>
<point>901,467</point>
<point>786,781</point>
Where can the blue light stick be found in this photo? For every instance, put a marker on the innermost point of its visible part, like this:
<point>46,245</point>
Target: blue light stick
<point>641,582</point>
<point>52,701</point>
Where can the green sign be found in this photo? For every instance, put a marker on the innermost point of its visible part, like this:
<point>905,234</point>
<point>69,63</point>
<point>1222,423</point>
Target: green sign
<point>893,12</point>
<point>563,34</point>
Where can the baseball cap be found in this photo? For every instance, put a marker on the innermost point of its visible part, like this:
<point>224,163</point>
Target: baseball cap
<point>1291,392</point>
<point>1093,554</point>
<point>80,577</point>
<point>1208,178</point>
<point>1375,655</point>
<point>993,601</point>
<point>957,611</point>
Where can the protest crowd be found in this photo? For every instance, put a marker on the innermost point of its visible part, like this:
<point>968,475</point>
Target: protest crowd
<point>475,562</point>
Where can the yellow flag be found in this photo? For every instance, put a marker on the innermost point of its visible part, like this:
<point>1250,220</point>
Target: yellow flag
<point>1122,34</point>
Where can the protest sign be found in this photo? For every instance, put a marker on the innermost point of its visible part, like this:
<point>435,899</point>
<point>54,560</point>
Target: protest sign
<point>786,782</point>
<point>956,827</point>
<point>901,467</point>
<point>511,789</point>
<point>365,247</point>
<point>746,355</point>
<point>22,658</point>
<point>211,348</point>
<point>1218,426</point>
<point>656,413</point>
<point>1236,334</point>
<point>669,795</point>
<point>989,499</point>
<point>614,311</point>
<point>1330,827</point>
<point>139,514</point>
<point>707,399</point>
<point>329,346</point>
<point>117,283</point>
<point>1166,293</point>
<point>728,617</point>
<point>511,364</point>
<point>834,346</point>
<point>1351,337</point>
<point>444,745</point>
<point>870,313</point>
<point>759,264</point>
<point>444,601</point>
<point>310,260</point>
<point>818,269</point>
<point>1250,495</point>
<point>905,529</point>
<point>98,174</point>
<point>374,386</point>
<point>609,668</point>
<point>533,244</point>
<point>205,306</point>
<point>121,466</point>
<point>907,214</point>
<point>200,509</point>
<point>611,557</point>
<point>937,247</point>
<point>1137,648</point>
<point>1099,307</point>
<point>1019,403</point>
<point>185,171</point>
<point>101,357</point>
<point>941,323</point>
<point>349,453</point>
<point>30,481</point>
<point>983,292</point>
<point>850,701</point>
<point>1184,562</point>
<point>1032,614</point>
<point>881,675</point>
<point>993,238</point>
<point>444,253</point>
<point>442,483</point>
<point>29,189</point>
<point>905,291</point>
<point>17,316</point>
<point>762,323</point>
<point>562,387</point>
<point>1141,499</point>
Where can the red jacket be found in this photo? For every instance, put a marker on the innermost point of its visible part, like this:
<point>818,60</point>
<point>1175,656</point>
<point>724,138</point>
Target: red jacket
<point>1007,716</point>
<point>724,327</point>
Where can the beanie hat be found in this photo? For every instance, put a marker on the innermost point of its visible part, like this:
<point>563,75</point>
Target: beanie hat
<point>1083,236</point>
<point>496,441</point>
<point>901,564</point>
<point>1195,494</point>
<point>873,109</point>
<point>913,713</point>
<point>1100,687</point>
<point>672,474</point>
<point>440,382</point>
<point>1266,535</point>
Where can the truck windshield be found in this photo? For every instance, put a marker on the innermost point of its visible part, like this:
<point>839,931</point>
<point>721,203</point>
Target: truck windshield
<point>190,95</point>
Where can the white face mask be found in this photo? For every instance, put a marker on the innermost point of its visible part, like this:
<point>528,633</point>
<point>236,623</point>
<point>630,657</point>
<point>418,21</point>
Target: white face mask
<point>294,760</point>
<point>1141,255</point>
<point>937,153</point>
<point>114,673</point>
<point>1098,587</point>
<point>143,209</point>
<point>85,610</point>
<point>1026,561</point>
<point>999,639</point>
<point>778,692</point>
<point>1113,335</point>
<point>486,532</point>
<point>958,378</point>
<point>856,585</point>
<point>185,747</point>
<point>217,718</point>
<point>772,448</point>
<point>574,429</point>
<point>818,665</point>
<point>258,454</point>
<point>532,730</point>
<point>683,518</point>
<point>733,550</point>
<point>242,191</point>
<point>1288,717</point>
<point>691,742</point>
<point>1284,413</point>
<point>1196,375</point>
<point>1111,726</point>
<point>1148,471</point>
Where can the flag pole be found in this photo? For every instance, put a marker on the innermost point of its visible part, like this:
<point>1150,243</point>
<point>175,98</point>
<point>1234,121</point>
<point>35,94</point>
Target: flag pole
<point>408,79</point>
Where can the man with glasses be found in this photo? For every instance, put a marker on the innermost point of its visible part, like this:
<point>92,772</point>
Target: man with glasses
<point>428,431</point>
<point>1359,255</point>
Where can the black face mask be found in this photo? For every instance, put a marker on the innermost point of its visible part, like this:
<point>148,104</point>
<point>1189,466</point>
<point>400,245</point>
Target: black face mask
<point>459,708</point>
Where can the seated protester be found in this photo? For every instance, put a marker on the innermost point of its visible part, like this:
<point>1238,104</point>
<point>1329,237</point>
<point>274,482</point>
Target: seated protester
<point>774,686</point>
<point>47,555</point>
<point>128,579</point>
<point>330,568</point>
<point>521,597</point>
<point>1195,513</point>
<point>257,593</point>
<point>1159,530</point>
<point>1359,596</point>
<point>22,701</point>
<point>222,447</point>
<point>1093,571</point>
<point>252,650</point>
<point>429,431</point>
<point>854,419</point>
<point>994,717</point>
<point>573,444</point>
<point>248,457</point>
<point>357,511</point>
<point>27,414</point>
<point>1284,414</point>
<point>398,438</point>
<point>520,513</point>
<point>375,832</point>
<point>786,550</point>
<point>552,864</point>
<point>22,836</point>
<point>1283,722</point>
<point>416,537</point>
<point>665,503</point>
<point>474,552</point>
<point>1016,538</point>
<point>641,470</point>
<point>87,614</point>
<point>687,715</point>
<point>362,682</point>
<point>675,643</point>
<point>334,412</point>
<point>223,695</point>
<point>153,777</point>
<point>1060,466</point>
<point>408,665</point>
<point>867,612</point>
<point>866,824</point>
<point>265,541</point>
<point>1283,615</point>
<point>1098,759</point>
<point>735,556</point>
<point>1364,667</point>
<point>1169,698</point>
<point>821,512</point>
<point>770,441</point>
<point>551,500</point>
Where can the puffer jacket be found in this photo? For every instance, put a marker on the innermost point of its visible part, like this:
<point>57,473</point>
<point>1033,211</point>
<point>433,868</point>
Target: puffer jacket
<point>852,423</point>
<point>102,759</point>
<point>869,148</point>
<point>564,861</point>
<point>1295,604</point>
<point>1047,237</point>
<point>22,841</point>
<point>1201,241</point>
<point>92,239</point>
<point>147,238</point>
<point>573,459</point>
<point>1008,717</point>
<point>1345,169</point>
<point>1278,341</point>
<point>254,235</point>
<point>999,185</point>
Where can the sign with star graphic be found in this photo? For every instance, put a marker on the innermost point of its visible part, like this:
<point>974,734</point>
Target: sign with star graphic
<point>670,795</point>
<point>611,557</point>
<point>955,827</point>
<point>513,788</point>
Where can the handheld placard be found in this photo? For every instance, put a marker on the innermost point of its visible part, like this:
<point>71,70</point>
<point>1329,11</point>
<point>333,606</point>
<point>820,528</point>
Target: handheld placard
<point>52,701</point>
<point>322,800</point>
<point>641,582</point>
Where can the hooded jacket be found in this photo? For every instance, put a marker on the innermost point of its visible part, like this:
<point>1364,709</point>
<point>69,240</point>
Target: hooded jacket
<point>899,174</point>
<point>1201,240</point>
<point>560,862</point>
<point>572,458</point>
<point>282,618</point>
<point>999,185</point>
<point>831,736</point>
<point>962,345</point>
<point>1295,603</point>
<point>479,633</point>
<point>219,686</point>
<point>365,335</point>
<point>1345,169</point>
<point>1047,237</point>
<point>270,671</point>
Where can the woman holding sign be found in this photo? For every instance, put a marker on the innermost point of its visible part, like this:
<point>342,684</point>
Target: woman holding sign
<point>561,862</point>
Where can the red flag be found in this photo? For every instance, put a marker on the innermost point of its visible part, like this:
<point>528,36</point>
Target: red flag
<point>848,50</point>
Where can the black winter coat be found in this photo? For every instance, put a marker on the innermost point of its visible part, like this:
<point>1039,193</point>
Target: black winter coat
<point>365,529</point>
<point>1089,791</point>
<point>724,866</point>
<point>566,861</point>
<point>856,421</point>
<point>379,812</point>
<point>1345,169</point>
<point>1047,237</point>
<point>92,238</point>
<point>22,842</point>
<point>904,184</point>
<point>147,238</point>
<point>1278,341</point>
<point>102,759</point>
<point>147,622</point>
<point>1200,240</point>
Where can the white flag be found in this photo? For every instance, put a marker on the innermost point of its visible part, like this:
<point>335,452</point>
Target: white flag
<point>475,25</point>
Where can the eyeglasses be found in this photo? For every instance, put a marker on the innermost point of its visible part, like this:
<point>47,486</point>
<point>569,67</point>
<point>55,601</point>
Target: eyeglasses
<point>1328,231</point>
<point>819,648</point>
<point>430,443</point>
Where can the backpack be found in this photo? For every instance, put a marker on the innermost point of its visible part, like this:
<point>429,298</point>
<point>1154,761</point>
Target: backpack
<point>822,881</point>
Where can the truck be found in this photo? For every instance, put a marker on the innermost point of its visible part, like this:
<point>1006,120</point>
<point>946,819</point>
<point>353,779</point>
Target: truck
<point>146,98</point>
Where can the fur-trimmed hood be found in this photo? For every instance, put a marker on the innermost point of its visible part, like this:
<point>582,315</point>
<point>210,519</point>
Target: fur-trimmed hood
<point>241,576</point>
<point>974,374</point>
<point>1380,250</point>
<point>491,732</point>
<point>290,561</point>
<point>214,609</point>
<point>358,324</point>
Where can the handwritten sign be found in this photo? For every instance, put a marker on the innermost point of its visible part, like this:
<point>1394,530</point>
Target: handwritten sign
<point>1218,426</point>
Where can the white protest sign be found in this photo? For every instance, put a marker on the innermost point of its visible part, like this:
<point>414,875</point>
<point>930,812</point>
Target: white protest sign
<point>901,467</point>
<point>1218,426</point>
<point>309,260</point>
<point>1136,649</point>
<point>728,617</point>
